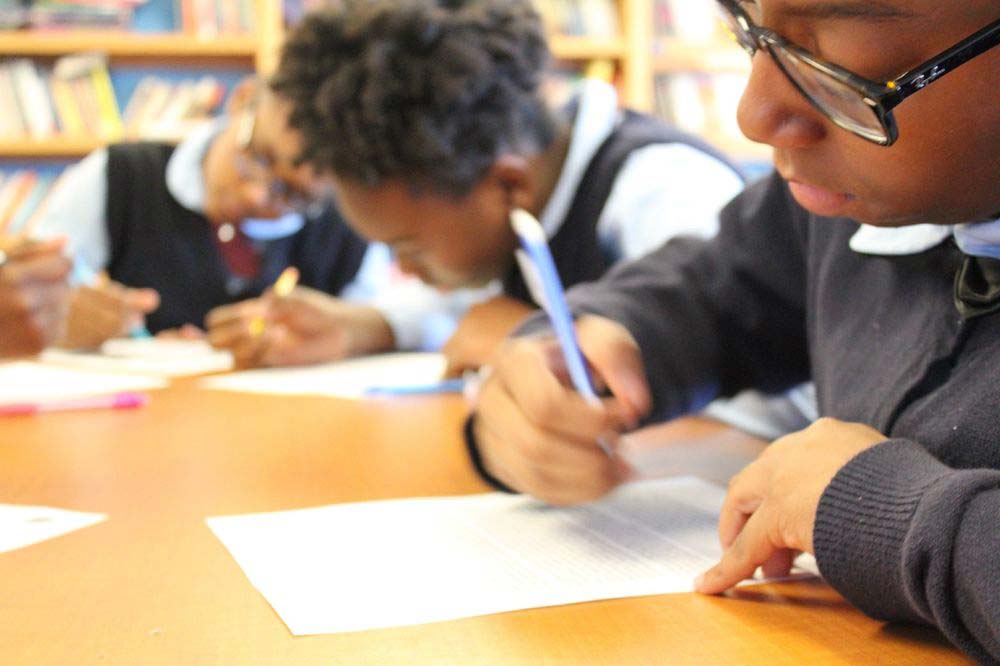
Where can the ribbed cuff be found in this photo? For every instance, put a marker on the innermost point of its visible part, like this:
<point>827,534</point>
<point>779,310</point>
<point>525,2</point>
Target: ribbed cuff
<point>863,520</point>
<point>469,432</point>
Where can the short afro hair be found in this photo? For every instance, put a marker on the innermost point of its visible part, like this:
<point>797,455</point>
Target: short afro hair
<point>427,91</point>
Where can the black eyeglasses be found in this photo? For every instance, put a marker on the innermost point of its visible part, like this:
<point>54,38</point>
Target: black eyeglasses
<point>859,105</point>
<point>253,168</point>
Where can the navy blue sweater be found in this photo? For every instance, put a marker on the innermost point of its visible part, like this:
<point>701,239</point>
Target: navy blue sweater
<point>910,529</point>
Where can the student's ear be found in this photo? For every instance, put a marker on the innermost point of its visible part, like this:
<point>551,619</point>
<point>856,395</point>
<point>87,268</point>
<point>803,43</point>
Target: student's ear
<point>513,174</point>
<point>242,96</point>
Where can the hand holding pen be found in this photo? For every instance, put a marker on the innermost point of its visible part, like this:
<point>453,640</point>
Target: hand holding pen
<point>298,326</point>
<point>243,328</point>
<point>101,309</point>
<point>540,424</point>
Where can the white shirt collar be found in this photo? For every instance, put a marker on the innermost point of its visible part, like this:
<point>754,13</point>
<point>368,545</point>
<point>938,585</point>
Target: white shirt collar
<point>597,116</point>
<point>185,169</point>
<point>980,239</point>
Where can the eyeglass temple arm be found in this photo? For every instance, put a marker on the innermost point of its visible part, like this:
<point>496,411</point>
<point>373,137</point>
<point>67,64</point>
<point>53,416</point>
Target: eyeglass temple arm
<point>928,72</point>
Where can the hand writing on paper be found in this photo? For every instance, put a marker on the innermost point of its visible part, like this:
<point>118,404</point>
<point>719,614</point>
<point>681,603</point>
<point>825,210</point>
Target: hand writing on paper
<point>770,509</point>
<point>104,311</point>
<point>481,332</point>
<point>306,326</point>
<point>33,296</point>
<point>539,436</point>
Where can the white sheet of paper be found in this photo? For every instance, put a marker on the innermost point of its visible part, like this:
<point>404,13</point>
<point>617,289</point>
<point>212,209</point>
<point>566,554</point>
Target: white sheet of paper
<point>30,382</point>
<point>147,356</point>
<point>22,526</point>
<point>353,567</point>
<point>344,379</point>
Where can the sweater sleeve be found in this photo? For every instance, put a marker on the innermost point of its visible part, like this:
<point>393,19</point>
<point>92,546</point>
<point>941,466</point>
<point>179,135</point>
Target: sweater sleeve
<point>715,316</point>
<point>906,538</point>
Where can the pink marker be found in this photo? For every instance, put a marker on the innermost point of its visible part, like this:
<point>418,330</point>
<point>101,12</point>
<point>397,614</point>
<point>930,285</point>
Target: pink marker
<point>115,401</point>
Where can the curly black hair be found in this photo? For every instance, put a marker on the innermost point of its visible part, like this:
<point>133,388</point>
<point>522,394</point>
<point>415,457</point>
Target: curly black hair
<point>426,91</point>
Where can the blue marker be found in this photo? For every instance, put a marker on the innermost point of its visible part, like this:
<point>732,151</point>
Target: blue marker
<point>444,386</point>
<point>83,275</point>
<point>542,278</point>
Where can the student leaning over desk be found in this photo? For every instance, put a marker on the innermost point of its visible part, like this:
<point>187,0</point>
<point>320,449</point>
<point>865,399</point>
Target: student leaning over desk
<point>873,270</point>
<point>429,118</point>
<point>193,235</point>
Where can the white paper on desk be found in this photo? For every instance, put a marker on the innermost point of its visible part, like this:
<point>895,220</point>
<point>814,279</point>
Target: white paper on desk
<point>147,356</point>
<point>344,379</point>
<point>22,526</point>
<point>29,382</point>
<point>353,567</point>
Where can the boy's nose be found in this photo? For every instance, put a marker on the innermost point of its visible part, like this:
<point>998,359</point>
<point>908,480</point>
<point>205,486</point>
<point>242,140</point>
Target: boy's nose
<point>773,111</point>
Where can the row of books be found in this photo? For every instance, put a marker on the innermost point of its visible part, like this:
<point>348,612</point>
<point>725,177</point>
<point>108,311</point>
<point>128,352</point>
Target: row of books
<point>211,18</point>
<point>66,14</point>
<point>561,83</point>
<point>76,99</point>
<point>694,20</point>
<point>161,109</point>
<point>23,195</point>
<point>590,18</point>
<point>702,103</point>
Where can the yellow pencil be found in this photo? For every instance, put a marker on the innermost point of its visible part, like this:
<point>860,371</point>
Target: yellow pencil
<point>283,286</point>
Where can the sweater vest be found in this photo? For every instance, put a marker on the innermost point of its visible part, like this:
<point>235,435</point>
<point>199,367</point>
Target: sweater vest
<point>576,248</point>
<point>159,244</point>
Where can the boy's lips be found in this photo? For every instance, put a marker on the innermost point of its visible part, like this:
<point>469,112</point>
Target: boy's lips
<point>820,200</point>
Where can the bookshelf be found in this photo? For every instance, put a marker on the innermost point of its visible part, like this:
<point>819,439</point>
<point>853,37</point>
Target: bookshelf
<point>637,53</point>
<point>697,75</point>
<point>642,56</point>
<point>128,45</point>
<point>675,54</point>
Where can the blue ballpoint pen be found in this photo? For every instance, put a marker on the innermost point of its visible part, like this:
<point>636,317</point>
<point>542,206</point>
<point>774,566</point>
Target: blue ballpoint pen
<point>444,386</point>
<point>542,278</point>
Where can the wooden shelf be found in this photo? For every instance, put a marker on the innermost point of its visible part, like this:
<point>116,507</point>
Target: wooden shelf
<point>565,47</point>
<point>124,44</point>
<point>677,55</point>
<point>49,148</point>
<point>71,147</point>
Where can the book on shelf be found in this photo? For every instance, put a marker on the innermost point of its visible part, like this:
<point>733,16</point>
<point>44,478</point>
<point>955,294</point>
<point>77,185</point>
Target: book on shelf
<point>167,110</point>
<point>690,20</point>
<point>704,103</point>
<point>67,14</point>
<point>560,83</point>
<point>212,18</point>
<point>581,18</point>
<point>23,197</point>
<point>88,81</point>
<point>77,99</point>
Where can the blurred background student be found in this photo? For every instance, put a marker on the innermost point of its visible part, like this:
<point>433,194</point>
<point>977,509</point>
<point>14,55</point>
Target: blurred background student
<point>456,134</point>
<point>183,231</point>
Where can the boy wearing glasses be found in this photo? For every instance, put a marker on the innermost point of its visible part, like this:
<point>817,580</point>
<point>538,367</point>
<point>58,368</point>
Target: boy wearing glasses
<point>868,263</point>
<point>181,231</point>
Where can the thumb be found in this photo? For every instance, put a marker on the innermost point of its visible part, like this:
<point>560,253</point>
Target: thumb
<point>142,300</point>
<point>615,357</point>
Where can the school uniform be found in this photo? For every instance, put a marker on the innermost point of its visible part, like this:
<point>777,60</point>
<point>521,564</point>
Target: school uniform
<point>137,211</point>
<point>898,329</point>
<point>628,184</point>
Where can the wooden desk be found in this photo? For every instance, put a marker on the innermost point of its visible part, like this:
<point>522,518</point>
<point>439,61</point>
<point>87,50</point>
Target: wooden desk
<point>152,585</point>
